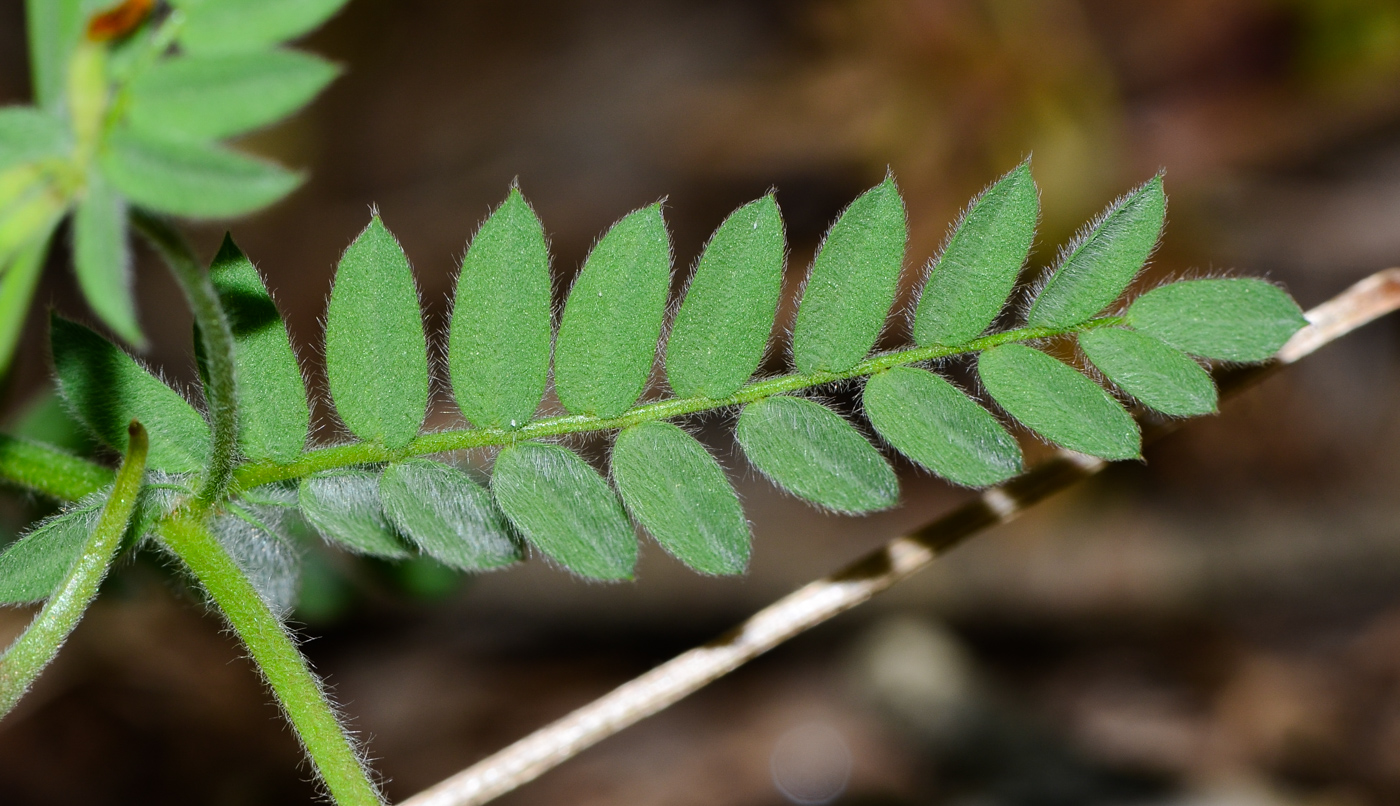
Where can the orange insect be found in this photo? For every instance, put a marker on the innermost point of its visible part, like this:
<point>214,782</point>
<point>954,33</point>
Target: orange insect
<point>117,22</point>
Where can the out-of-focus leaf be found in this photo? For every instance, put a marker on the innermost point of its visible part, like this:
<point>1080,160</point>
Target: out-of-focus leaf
<point>209,97</point>
<point>54,28</point>
<point>102,259</point>
<point>187,178</point>
<point>28,134</point>
<point>230,26</point>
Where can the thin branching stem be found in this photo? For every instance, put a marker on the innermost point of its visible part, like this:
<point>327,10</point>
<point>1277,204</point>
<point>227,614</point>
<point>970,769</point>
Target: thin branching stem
<point>277,657</point>
<point>361,453</point>
<point>216,337</point>
<point>40,642</point>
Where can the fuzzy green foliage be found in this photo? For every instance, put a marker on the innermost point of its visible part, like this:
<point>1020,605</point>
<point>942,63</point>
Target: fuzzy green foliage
<point>1240,319</point>
<point>372,496</point>
<point>376,353</point>
<point>565,509</point>
<point>810,451</point>
<point>721,330</point>
<point>345,507</point>
<point>968,285</point>
<point>273,415</point>
<point>679,493</point>
<point>447,515</point>
<point>852,283</point>
<point>1157,375</point>
<point>932,422</point>
<point>607,336</point>
<point>211,97</point>
<point>1058,403</point>
<point>35,565</point>
<point>500,333</point>
<point>1103,259</point>
<point>106,389</point>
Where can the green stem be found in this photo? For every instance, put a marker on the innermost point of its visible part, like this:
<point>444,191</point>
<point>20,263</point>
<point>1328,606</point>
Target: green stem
<point>40,642</point>
<point>360,453</point>
<point>217,338</point>
<point>48,470</point>
<point>277,658</point>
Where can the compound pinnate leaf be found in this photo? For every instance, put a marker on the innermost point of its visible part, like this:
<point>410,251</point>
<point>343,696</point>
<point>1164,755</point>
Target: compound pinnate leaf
<point>1058,403</point>
<point>1103,259</point>
<point>252,537</point>
<point>565,509</point>
<point>208,97</point>
<point>106,389</point>
<point>852,283</point>
<point>188,178</point>
<point>929,420</point>
<point>498,346</point>
<point>273,416</point>
<point>344,506</point>
<point>447,516</point>
<point>607,337</point>
<point>228,26</point>
<point>679,493</point>
<point>969,283</point>
<point>102,259</point>
<point>376,353</point>
<point>808,450</point>
<point>723,326</point>
<point>34,566</point>
<point>28,134</point>
<point>1239,319</point>
<point>1157,375</point>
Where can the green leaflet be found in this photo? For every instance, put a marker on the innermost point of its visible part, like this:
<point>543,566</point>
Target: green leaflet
<point>228,26</point>
<point>28,134</point>
<point>106,389</point>
<point>209,97</point>
<point>54,28</point>
<point>197,180</point>
<point>969,284</point>
<point>1240,319</point>
<point>565,509</point>
<point>447,516</point>
<point>102,259</point>
<point>1103,259</point>
<point>929,420</point>
<point>273,417</point>
<point>376,354</point>
<point>607,337</point>
<point>852,283</point>
<point>498,345</point>
<point>344,506</point>
<point>808,450</point>
<point>18,279</point>
<point>1058,403</point>
<point>679,493</point>
<point>33,566</point>
<point>720,332</point>
<point>252,537</point>
<point>1157,375</point>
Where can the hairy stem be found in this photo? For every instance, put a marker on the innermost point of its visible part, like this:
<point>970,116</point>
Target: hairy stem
<point>217,340</point>
<point>359,453</point>
<point>40,642</point>
<point>277,657</point>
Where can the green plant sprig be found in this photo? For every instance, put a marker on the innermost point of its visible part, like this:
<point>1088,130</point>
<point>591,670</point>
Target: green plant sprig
<point>254,474</point>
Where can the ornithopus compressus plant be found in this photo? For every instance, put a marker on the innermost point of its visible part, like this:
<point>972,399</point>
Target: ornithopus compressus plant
<point>131,107</point>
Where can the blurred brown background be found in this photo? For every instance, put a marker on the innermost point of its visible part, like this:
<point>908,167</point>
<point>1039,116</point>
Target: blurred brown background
<point>1219,625</point>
